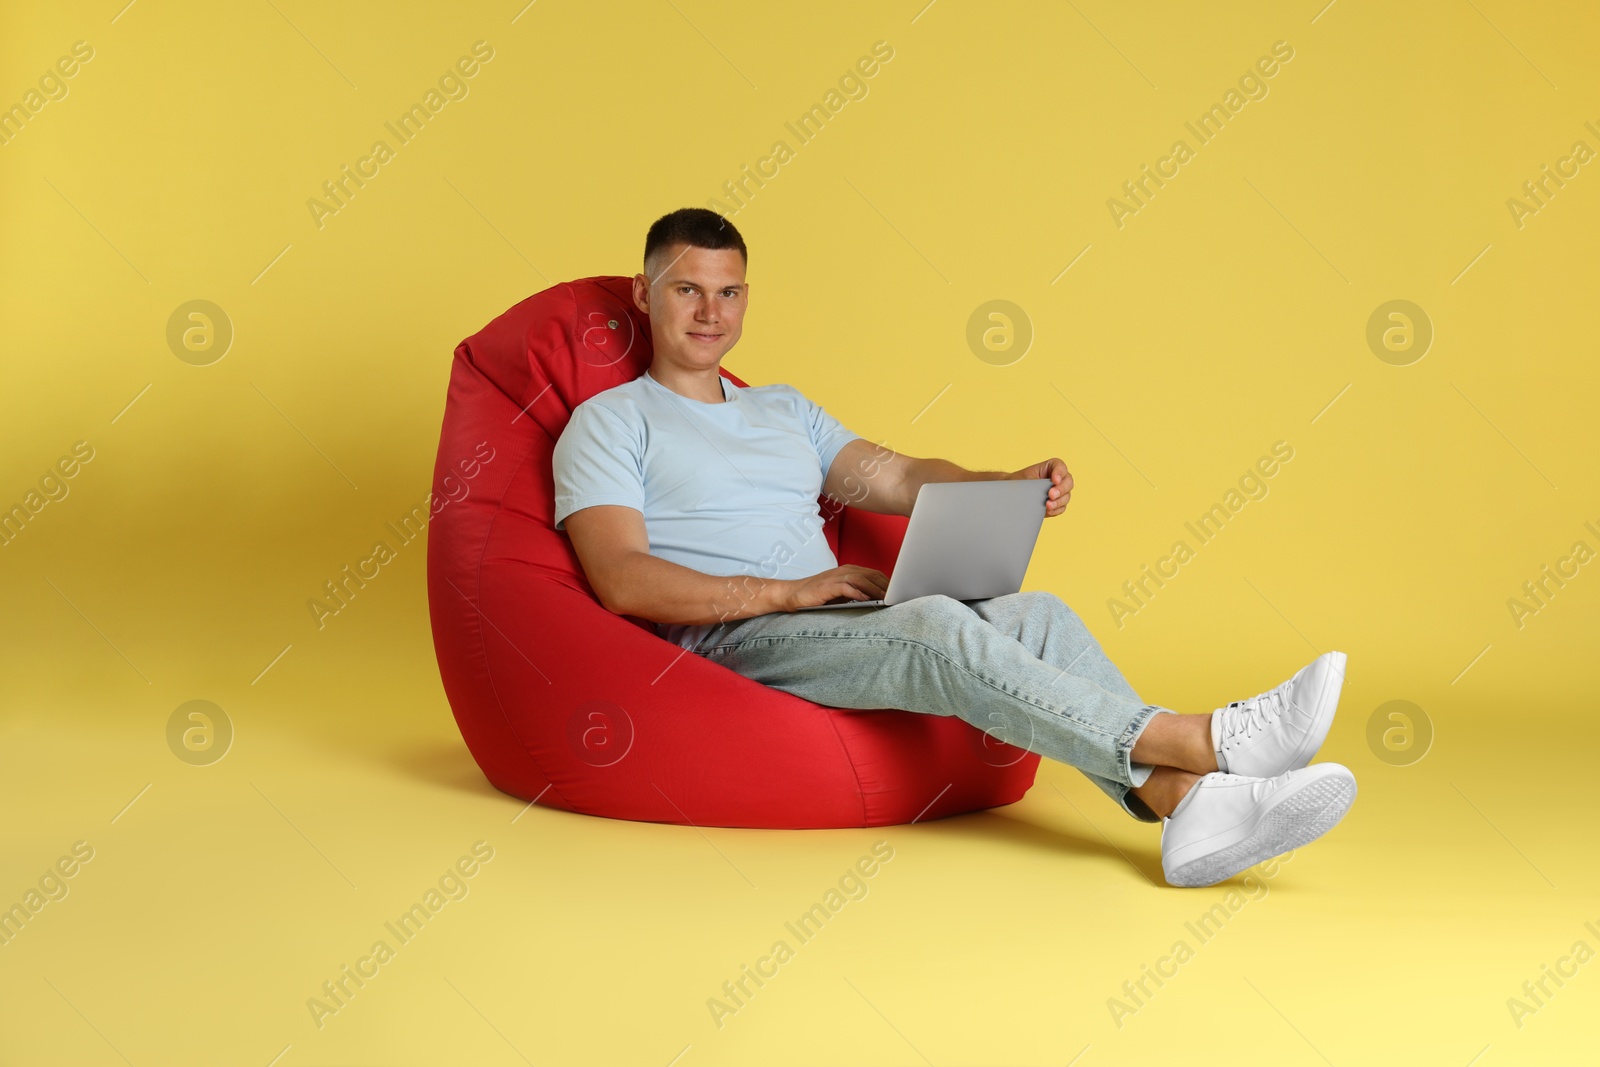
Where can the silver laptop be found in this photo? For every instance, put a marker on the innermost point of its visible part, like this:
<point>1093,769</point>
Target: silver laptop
<point>965,540</point>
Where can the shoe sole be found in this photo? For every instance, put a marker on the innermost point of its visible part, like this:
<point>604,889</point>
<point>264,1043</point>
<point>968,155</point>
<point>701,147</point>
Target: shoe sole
<point>1291,821</point>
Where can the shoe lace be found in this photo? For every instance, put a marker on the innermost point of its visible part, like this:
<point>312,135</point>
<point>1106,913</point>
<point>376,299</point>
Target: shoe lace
<point>1258,712</point>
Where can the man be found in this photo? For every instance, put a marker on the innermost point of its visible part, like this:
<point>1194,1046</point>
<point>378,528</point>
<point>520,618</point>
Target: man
<point>693,504</point>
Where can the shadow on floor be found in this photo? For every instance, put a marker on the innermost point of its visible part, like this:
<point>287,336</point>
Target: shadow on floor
<point>442,763</point>
<point>447,763</point>
<point>990,826</point>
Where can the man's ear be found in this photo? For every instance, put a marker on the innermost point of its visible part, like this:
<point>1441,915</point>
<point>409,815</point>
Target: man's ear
<point>641,293</point>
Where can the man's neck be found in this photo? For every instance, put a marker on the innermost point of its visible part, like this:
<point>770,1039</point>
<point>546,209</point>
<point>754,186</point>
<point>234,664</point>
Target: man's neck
<point>702,385</point>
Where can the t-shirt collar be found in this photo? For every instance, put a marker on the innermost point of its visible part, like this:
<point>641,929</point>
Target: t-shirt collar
<point>729,391</point>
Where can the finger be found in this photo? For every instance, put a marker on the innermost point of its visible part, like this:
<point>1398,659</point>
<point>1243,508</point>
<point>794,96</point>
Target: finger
<point>868,580</point>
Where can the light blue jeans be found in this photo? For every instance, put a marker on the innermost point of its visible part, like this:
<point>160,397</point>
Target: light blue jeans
<point>1022,668</point>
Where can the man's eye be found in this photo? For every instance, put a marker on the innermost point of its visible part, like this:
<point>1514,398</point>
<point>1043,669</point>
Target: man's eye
<point>685,288</point>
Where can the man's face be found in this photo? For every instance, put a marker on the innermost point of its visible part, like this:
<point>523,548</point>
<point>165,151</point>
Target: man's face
<point>696,301</point>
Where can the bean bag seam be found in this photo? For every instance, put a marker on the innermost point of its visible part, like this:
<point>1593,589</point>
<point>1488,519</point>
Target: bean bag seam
<point>494,686</point>
<point>855,771</point>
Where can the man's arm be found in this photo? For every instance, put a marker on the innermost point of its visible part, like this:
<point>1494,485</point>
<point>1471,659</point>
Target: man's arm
<point>878,479</point>
<point>612,545</point>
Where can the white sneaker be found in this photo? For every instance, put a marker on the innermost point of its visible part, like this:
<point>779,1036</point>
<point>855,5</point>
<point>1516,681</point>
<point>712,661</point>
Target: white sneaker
<point>1281,729</point>
<point>1227,823</point>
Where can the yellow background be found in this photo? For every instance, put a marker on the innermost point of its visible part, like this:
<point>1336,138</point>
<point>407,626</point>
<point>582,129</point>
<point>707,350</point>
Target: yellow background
<point>1226,315</point>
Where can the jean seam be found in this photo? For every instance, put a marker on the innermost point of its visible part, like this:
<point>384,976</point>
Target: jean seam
<point>936,652</point>
<point>1130,735</point>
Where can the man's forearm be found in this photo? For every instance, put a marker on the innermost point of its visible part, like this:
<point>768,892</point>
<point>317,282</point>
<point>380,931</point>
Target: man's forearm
<point>658,590</point>
<point>939,470</point>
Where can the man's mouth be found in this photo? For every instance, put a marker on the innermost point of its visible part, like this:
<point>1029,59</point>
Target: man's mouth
<point>706,338</point>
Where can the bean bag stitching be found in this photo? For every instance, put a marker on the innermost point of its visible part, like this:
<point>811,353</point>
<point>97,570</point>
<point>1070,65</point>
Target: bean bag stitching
<point>568,291</point>
<point>829,712</point>
<point>484,648</point>
<point>855,772</point>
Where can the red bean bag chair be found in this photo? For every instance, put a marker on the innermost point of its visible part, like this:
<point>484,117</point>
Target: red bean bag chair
<point>565,703</point>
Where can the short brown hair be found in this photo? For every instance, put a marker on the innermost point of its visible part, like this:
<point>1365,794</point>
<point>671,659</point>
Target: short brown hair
<point>697,227</point>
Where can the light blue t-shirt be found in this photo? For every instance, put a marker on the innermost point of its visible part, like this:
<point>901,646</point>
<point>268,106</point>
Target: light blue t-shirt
<point>727,488</point>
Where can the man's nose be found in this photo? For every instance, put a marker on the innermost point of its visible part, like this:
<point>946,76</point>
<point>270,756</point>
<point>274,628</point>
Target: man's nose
<point>706,311</point>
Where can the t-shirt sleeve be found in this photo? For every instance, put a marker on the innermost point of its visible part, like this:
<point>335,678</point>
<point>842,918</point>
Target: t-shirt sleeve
<point>597,460</point>
<point>828,435</point>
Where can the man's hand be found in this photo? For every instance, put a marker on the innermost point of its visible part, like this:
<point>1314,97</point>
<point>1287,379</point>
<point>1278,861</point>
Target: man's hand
<point>1059,493</point>
<point>846,583</point>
